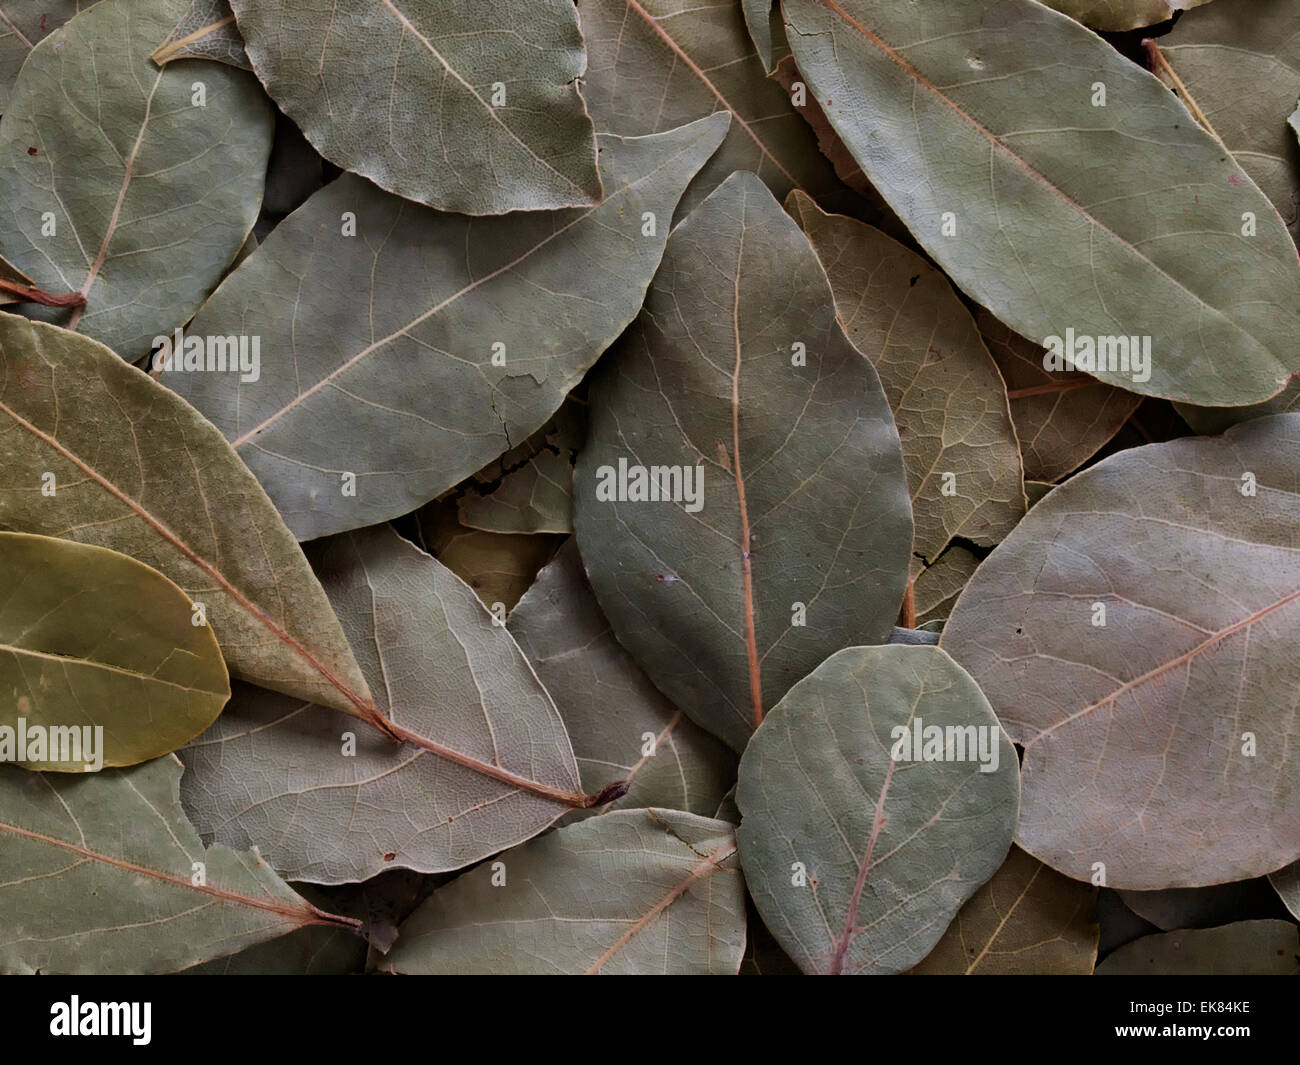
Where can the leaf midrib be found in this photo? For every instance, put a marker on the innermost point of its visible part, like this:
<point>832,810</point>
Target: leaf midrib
<point>90,663</point>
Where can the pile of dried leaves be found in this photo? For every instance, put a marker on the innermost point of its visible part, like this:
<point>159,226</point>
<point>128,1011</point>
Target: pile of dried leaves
<point>649,486</point>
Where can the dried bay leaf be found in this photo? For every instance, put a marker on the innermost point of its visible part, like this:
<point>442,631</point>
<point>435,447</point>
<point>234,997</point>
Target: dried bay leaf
<point>1116,15</point>
<point>1004,171</point>
<point>444,102</point>
<point>23,25</point>
<point>151,190</point>
<point>97,874</point>
<point>206,31</point>
<point>635,891</point>
<point>856,860</point>
<point>936,587</point>
<point>90,637</point>
<point>1027,920</point>
<point>137,470</point>
<point>949,401</point>
<point>1202,907</point>
<point>792,537</point>
<point>621,726</point>
<point>315,951</point>
<point>1246,948</point>
<point>1286,882</point>
<point>382,352</point>
<point>765,30</point>
<point>488,762</point>
<point>1169,726</point>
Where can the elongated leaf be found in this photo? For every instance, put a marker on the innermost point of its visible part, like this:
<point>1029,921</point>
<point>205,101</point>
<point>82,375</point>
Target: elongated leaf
<point>1006,173</point>
<point>445,102</point>
<point>90,638</point>
<point>206,31</point>
<point>103,873</point>
<point>132,468</point>
<point>765,30</point>
<point>144,182</point>
<point>402,385</point>
<point>329,810</point>
<point>23,25</point>
<point>1246,948</point>
<point>791,539</point>
<point>654,64</point>
<point>1136,634</point>
<point>1286,882</point>
<point>858,860</point>
<point>949,402</point>
<point>632,892</point>
<point>1116,15</point>
<point>1026,920</point>
<point>622,727</point>
<point>1203,907</point>
<point>1062,419</point>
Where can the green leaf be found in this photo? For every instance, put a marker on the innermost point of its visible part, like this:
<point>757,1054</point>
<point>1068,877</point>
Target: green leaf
<point>136,195</point>
<point>136,470</point>
<point>23,25</point>
<point>636,891</point>
<point>856,860</point>
<point>1246,948</point>
<point>622,727</point>
<point>487,763</point>
<point>90,638</point>
<point>654,64</point>
<point>765,30</point>
<point>1027,920</point>
<point>316,951</point>
<point>102,873</point>
<point>949,402</point>
<point>399,382</point>
<point>1159,717</point>
<point>792,538</point>
<point>1062,419</point>
<point>445,102</point>
<point>1116,15</point>
<point>206,31</point>
<point>1006,174</point>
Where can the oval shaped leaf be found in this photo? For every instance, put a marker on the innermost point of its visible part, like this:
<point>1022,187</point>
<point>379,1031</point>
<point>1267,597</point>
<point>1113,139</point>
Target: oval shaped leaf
<point>377,394</point>
<point>1136,634</point>
<point>1005,171</point>
<point>508,130</point>
<point>206,31</point>
<point>143,184</point>
<point>1203,907</point>
<point>23,25</point>
<point>95,451</point>
<point>861,834</point>
<point>741,504</point>
<point>97,647</point>
<point>621,726</point>
<point>329,804</point>
<point>82,894</point>
<point>633,892</point>
<point>1246,948</point>
<point>1116,15</point>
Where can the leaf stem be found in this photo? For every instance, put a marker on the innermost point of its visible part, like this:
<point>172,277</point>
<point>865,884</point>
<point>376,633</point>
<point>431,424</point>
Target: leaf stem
<point>29,294</point>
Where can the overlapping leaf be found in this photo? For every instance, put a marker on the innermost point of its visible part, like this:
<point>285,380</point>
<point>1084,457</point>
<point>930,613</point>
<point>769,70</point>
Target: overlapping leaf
<point>1179,908</point>
<point>1115,15</point>
<point>1136,633</point>
<point>401,359</point>
<point>494,768</point>
<point>858,860</point>
<point>791,539</point>
<point>635,891</point>
<point>137,470</point>
<point>1246,948</point>
<point>445,102</point>
<point>131,184</point>
<point>1005,171</point>
<point>206,31</point>
<point>23,25</point>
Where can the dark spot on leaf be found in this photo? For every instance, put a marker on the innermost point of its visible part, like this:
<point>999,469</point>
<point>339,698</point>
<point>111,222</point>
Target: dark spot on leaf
<point>31,151</point>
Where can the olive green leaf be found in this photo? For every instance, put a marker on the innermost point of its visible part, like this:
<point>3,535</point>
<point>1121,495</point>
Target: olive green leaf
<point>1036,491</point>
<point>949,401</point>
<point>1062,419</point>
<point>95,451</point>
<point>487,763</point>
<point>529,489</point>
<point>445,102</point>
<point>23,25</point>
<point>875,799</point>
<point>315,951</point>
<point>788,530</point>
<point>206,31</point>
<point>1027,920</point>
<point>1136,634</point>
<point>1005,171</point>
<point>91,638</point>
<point>936,587</point>
<point>403,349</point>
<point>654,64</point>
<point>1204,906</point>
<point>622,727</point>
<point>635,891</point>
<point>11,276</point>
<point>131,184</point>
<point>1286,882</point>
<point>1245,948</point>
<point>102,873</point>
<point>1116,15</point>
